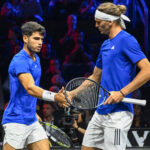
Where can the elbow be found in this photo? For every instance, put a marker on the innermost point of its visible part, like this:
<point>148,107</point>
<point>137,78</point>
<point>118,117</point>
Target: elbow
<point>149,73</point>
<point>148,70</point>
<point>29,89</point>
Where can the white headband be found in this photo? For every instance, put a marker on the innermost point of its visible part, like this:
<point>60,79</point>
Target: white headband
<point>103,16</point>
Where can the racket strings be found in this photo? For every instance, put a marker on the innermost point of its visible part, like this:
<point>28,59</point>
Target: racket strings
<point>74,85</point>
<point>96,96</point>
<point>60,137</point>
<point>85,93</point>
<point>81,95</point>
<point>88,97</point>
<point>57,135</point>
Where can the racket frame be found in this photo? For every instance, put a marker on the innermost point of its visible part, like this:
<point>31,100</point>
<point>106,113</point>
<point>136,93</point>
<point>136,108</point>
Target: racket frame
<point>126,100</point>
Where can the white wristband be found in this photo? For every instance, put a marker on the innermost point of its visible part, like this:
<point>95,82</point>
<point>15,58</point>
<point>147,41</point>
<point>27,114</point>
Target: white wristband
<point>48,96</point>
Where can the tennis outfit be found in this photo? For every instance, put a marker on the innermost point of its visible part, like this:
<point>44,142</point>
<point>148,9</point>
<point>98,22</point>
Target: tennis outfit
<point>19,117</point>
<point>110,124</point>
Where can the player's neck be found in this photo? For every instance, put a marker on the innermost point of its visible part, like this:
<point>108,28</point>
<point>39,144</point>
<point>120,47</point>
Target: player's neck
<point>31,54</point>
<point>114,31</point>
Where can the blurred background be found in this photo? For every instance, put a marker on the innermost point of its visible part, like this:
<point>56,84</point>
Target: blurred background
<point>70,49</point>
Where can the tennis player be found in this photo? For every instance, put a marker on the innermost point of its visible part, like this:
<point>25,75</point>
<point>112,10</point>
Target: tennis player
<point>19,120</point>
<point>115,69</point>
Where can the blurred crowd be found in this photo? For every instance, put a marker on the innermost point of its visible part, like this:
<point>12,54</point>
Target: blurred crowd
<point>70,49</point>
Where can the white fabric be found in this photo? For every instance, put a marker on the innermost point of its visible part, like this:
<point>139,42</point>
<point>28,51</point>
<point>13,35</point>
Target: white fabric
<point>20,135</point>
<point>108,132</point>
<point>106,17</point>
<point>48,96</point>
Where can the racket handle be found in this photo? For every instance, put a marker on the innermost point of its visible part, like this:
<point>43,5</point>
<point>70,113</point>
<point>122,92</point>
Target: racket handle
<point>135,101</point>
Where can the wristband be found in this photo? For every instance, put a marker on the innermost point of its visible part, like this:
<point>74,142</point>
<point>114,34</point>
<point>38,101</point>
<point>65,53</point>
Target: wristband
<point>48,96</point>
<point>122,93</point>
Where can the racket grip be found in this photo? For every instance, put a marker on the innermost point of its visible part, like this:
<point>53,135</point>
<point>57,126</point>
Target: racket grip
<point>135,101</point>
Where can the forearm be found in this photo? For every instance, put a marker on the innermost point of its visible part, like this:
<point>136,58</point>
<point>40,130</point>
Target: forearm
<point>142,77</point>
<point>96,76</point>
<point>81,130</point>
<point>28,83</point>
<point>41,93</point>
<point>35,91</point>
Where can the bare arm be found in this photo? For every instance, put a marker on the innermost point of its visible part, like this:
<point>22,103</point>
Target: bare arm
<point>96,76</point>
<point>28,83</point>
<point>141,78</point>
<point>81,130</point>
<point>75,125</point>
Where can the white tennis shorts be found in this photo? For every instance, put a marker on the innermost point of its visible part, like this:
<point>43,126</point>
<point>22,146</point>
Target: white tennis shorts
<point>20,135</point>
<point>108,132</point>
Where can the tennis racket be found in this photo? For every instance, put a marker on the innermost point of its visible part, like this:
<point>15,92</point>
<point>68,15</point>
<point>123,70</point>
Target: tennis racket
<point>57,135</point>
<point>86,94</point>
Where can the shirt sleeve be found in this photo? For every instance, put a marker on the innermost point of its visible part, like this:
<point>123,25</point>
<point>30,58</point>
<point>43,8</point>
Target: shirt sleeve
<point>132,50</point>
<point>21,66</point>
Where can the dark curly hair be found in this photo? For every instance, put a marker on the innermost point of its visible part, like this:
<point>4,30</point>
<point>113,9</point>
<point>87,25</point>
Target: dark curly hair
<point>30,27</point>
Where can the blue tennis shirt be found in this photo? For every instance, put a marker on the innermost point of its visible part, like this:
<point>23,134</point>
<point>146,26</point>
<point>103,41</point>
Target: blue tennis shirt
<point>22,106</point>
<point>117,59</point>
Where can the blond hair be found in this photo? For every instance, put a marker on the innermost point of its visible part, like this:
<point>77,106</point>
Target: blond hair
<point>112,9</point>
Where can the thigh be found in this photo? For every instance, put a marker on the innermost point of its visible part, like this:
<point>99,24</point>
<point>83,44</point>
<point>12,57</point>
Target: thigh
<point>9,147</point>
<point>40,145</point>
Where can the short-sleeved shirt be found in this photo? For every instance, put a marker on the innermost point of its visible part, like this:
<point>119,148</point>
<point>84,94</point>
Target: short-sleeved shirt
<point>22,106</point>
<point>117,59</point>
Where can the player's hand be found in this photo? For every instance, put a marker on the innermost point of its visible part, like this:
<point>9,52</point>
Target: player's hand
<point>60,98</point>
<point>75,125</point>
<point>69,96</point>
<point>115,97</point>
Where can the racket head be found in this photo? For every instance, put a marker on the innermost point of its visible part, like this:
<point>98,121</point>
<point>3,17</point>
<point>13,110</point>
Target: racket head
<point>57,135</point>
<point>88,96</point>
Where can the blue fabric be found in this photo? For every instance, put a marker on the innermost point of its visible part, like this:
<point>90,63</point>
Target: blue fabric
<point>22,106</point>
<point>117,60</point>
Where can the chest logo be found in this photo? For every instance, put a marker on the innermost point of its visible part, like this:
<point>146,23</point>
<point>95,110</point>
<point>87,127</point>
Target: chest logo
<point>113,47</point>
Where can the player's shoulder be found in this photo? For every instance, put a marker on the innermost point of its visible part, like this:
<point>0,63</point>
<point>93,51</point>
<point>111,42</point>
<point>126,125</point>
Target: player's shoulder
<point>19,59</point>
<point>105,43</point>
<point>125,36</point>
<point>21,56</point>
